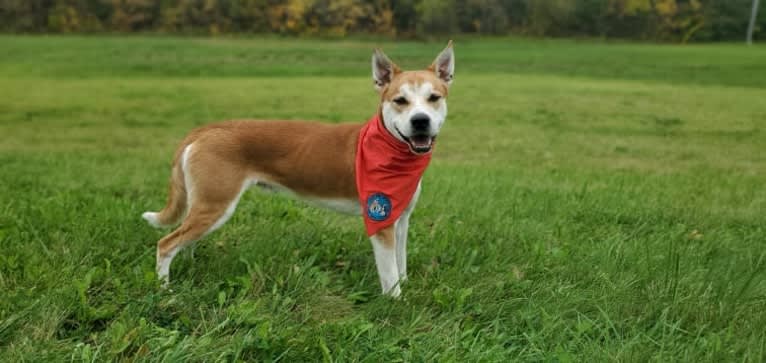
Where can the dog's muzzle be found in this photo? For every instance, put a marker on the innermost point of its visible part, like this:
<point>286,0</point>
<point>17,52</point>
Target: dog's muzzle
<point>419,143</point>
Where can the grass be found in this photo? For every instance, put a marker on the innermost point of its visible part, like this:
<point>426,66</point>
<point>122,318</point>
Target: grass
<point>587,202</point>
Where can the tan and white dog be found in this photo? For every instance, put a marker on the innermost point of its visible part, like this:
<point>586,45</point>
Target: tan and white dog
<point>215,164</point>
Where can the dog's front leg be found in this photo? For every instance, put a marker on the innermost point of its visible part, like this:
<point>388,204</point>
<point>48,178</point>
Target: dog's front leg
<point>384,246</point>
<point>402,227</point>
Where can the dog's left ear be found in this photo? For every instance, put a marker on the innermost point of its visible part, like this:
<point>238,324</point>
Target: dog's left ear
<point>444,64</point>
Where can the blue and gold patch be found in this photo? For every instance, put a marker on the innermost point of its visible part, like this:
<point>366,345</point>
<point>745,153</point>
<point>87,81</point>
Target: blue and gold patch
<point>378,207</point>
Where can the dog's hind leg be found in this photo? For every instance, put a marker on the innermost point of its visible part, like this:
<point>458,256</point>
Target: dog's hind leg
<point>214,189</point>
<point>199,223</point>
<point>203,219</point>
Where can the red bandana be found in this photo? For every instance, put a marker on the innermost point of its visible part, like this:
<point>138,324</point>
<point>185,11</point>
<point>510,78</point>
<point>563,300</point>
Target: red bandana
<point>387,175</point>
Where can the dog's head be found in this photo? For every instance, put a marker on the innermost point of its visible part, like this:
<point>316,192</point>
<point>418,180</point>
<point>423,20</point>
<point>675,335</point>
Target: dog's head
<point>414,103</point>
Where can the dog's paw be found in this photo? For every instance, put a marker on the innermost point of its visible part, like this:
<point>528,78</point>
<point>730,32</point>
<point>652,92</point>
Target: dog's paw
<point>394,293</point>
<point>151,217</point>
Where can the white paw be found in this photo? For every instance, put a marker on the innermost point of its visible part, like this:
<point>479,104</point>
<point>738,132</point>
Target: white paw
<point>164,280</point>
<point>395,292</point>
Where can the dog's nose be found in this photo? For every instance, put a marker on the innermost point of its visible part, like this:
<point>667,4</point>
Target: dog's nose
<point>420,122</point>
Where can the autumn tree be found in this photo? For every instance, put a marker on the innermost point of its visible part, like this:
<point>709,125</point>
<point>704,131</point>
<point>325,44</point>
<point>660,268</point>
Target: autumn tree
<point>659,20</point>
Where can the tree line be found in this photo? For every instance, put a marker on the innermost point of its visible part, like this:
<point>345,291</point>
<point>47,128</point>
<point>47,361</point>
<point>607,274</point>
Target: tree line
<point>655,20</point>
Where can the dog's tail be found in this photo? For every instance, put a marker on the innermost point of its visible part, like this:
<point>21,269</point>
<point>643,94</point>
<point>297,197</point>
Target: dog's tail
<point>177,194</point>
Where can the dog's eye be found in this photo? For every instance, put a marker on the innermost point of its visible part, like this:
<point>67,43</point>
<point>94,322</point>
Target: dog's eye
<point>434,98</point>
<point>401,101</point>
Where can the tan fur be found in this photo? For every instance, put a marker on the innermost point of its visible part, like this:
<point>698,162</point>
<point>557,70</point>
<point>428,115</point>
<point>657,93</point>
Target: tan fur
<point>193,228</point>
<point>390,91</point>
<point>310,158</point>
<point>387,235</point>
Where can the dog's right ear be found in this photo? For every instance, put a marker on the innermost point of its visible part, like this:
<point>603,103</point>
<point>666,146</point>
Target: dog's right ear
<point>383,70</point>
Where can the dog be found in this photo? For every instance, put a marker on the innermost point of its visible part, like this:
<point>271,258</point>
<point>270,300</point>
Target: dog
<point>371,168</point>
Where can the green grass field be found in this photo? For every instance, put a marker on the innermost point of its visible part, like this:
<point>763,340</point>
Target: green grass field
<point>587,202</point>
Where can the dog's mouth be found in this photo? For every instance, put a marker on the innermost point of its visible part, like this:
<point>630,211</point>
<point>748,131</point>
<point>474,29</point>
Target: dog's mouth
<point>419,144</point>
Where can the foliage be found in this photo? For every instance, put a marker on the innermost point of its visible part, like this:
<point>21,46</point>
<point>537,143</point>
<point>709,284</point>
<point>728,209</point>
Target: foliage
<point>662,20</point>
<point>587,202</point>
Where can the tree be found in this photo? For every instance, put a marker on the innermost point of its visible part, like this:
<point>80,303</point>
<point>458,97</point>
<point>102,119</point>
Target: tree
<point>134,15</point>
<point>482,16</point>
<point>436,17</point>
<point>550,17</point>
<point>658,20</point>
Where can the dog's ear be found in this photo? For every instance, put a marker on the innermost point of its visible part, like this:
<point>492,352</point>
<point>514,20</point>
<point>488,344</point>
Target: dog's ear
<point>444,64</point>
<point>383,70</point>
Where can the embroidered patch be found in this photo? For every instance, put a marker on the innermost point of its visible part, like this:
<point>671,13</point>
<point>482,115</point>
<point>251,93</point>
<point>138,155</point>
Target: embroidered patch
<point>378,207</point>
